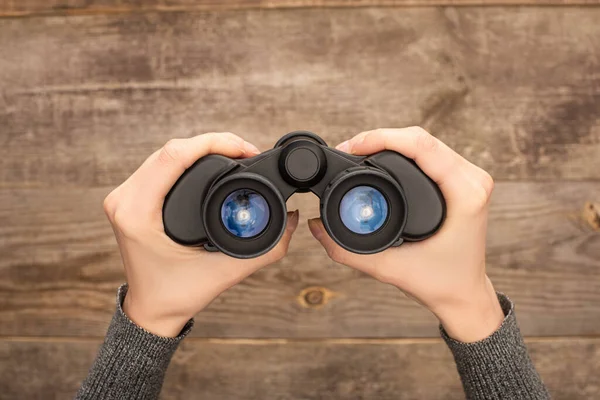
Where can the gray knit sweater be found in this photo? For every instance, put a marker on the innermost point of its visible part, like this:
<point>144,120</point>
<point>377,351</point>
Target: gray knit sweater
<point>131,363</point>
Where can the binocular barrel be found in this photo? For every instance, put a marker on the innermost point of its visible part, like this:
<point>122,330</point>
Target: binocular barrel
<point>367,204</point>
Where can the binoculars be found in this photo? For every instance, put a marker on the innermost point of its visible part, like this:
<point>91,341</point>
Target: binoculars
<point>367,204</point>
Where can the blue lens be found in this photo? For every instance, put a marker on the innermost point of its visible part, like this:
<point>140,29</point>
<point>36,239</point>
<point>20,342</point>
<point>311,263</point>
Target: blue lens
<point>245,213</point>
<point>363,210</point>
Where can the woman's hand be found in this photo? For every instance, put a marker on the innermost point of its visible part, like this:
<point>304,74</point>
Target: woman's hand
<point>445,273</point>
<point>170,283</point>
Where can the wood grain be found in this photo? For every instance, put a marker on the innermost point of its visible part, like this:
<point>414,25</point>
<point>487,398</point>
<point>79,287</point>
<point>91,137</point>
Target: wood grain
<point>25,8</point>
<point>60,268</point>
<point>83,100</point>
<point>295,370</point>
<point>88,92</point>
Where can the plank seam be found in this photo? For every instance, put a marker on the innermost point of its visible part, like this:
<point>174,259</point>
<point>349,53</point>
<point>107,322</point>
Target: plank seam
<point>291,341</point>
<point>35,186</point>
<point>66,12</point>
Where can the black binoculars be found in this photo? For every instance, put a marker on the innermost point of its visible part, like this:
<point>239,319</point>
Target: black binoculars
<point>367,204</point>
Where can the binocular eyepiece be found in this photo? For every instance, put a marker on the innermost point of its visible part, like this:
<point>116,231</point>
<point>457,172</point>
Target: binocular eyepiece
<point>238,206</point>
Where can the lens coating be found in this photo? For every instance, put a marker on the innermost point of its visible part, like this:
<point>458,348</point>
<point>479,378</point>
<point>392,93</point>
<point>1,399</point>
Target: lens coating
<point>245,213</point>
<point>363,210</point>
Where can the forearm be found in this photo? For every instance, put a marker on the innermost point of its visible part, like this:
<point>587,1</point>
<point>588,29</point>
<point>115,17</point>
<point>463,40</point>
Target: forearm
<point>498,367</point>
<point>131,363</point>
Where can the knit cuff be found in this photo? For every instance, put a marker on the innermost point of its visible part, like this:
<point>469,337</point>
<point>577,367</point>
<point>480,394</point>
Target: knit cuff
<point>154,346</point>
<point>497,367</point>
<point>131,360</point>
<point>507,330</point>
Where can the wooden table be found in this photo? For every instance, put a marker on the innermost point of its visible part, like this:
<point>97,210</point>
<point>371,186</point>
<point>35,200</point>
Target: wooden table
<point>89,88</point>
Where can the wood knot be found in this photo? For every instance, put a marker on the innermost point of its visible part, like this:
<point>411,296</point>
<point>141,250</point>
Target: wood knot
<point>314,297</point>
<point>591,215</point>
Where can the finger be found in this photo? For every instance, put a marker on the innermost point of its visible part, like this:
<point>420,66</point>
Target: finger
<point>435,158</point>
<point>160,171</point>
<point>363,262</point>
<point>372,264</point>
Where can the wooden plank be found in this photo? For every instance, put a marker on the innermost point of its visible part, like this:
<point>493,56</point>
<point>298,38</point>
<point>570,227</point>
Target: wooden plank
<point>83,100</point>
<point>23,8</point>
<point>60,268</point>
<point>295,370</point>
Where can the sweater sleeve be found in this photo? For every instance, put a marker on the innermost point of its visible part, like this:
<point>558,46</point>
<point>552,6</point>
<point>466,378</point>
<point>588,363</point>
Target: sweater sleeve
<point>131,363</point>
<point>498,367</point>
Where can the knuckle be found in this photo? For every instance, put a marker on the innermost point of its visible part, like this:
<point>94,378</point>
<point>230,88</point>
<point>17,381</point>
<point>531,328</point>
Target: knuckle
<point>482,187</point>
<point>215,136</point>
<point>212,135</point>
<point>382,277</point>
<point>277,253</point>
<point>212,140</point>
<point>418,129</point>
<point>110,204</point>
<point>336,254</point>
<point>121,219</point>
<point>227,134</point>
<point>488,183</point>
<point>232,137</point>
<point>128,226</point>
<point>477,200</point>
<point>385,134</point>
<point>383,274</point>
<point>170,151</point>
<point>425,141</point>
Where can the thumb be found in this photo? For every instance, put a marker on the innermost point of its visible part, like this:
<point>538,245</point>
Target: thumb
<point>280,250</point>
<point>377,265</point>
<point>237,269</point>
<point>292,224</point>
<point>362,262</point>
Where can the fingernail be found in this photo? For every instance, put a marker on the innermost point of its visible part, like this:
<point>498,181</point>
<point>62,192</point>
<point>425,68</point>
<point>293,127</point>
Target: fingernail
<point>293,220</point>
<point>313,225</point>
<point>344,146</point>
<point>250,148</point>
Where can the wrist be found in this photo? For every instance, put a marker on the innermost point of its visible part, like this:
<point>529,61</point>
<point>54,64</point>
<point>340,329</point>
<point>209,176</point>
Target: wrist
<point>150,320</point>
<point>474,318</point>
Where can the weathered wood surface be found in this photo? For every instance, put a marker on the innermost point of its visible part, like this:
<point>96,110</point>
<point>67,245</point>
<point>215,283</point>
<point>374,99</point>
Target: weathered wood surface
<point>18,8</point>
<point>83,100</point>
<point>60,267</point>
<point>295,370</point>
